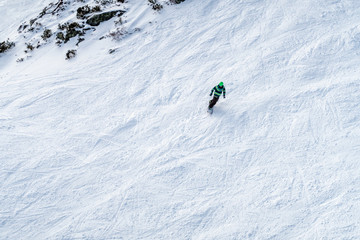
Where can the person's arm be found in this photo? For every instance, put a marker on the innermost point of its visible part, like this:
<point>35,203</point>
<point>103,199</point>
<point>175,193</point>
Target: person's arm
<point>224,92</point>
<point>212,90</point>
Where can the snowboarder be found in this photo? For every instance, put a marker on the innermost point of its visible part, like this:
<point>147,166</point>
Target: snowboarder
<point>219,89</point>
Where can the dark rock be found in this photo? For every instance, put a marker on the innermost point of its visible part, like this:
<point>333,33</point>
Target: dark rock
<point>84,10</point>
<point>32,21</point>
<point>70,54</point>
<point>155,5</point>
<point>71,33</point>
<point>6,45</point>
<point>102,17</point>
<point>29,46</point>
<point>22,27</point>
<point>74,25</point>
<point>46,34</point>
<point>71,30</point>
<point>80,39</point>
<point>177,1</point>
<point>60,36</point>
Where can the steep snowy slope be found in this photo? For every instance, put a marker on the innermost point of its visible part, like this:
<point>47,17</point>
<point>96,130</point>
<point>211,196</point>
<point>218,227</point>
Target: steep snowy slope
<point>119,146</point>
<point>13,13</point>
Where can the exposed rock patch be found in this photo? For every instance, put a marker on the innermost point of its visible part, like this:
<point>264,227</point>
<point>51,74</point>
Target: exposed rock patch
<point>102,17</point>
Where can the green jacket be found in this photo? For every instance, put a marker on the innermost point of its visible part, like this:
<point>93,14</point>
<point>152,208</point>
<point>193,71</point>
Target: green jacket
<point>218,91</point>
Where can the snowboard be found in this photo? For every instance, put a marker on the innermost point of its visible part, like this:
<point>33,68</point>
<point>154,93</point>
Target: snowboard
<point>210,110</point>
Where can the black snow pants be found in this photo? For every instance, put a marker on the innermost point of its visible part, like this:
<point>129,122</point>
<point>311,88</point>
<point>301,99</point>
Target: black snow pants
<point>213,102</point>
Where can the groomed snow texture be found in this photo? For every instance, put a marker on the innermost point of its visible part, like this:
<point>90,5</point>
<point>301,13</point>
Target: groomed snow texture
<point>120,146</point>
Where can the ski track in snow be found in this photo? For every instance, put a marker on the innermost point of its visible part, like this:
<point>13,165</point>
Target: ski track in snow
<point>120,146</point>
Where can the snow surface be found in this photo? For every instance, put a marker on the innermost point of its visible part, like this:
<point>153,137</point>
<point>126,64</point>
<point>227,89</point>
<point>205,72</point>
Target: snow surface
<point>13,13</point>
<point>120,146</point>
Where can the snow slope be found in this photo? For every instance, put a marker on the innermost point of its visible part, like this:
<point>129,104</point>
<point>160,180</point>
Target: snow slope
<point>13,13</point>
<point>119,146</point>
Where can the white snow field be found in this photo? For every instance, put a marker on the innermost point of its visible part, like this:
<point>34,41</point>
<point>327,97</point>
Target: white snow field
<point>120,146</point>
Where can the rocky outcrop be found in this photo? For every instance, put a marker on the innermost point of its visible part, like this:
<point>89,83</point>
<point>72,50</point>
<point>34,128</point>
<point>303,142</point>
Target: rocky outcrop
<point>68,31</point>
<point>177,1</point>
<point>85,10</point>
<point>95,20</point>
<point>6,45</point>
<point>88,15</point>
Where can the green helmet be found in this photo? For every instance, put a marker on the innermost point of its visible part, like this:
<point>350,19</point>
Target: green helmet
<point>221,84</point>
